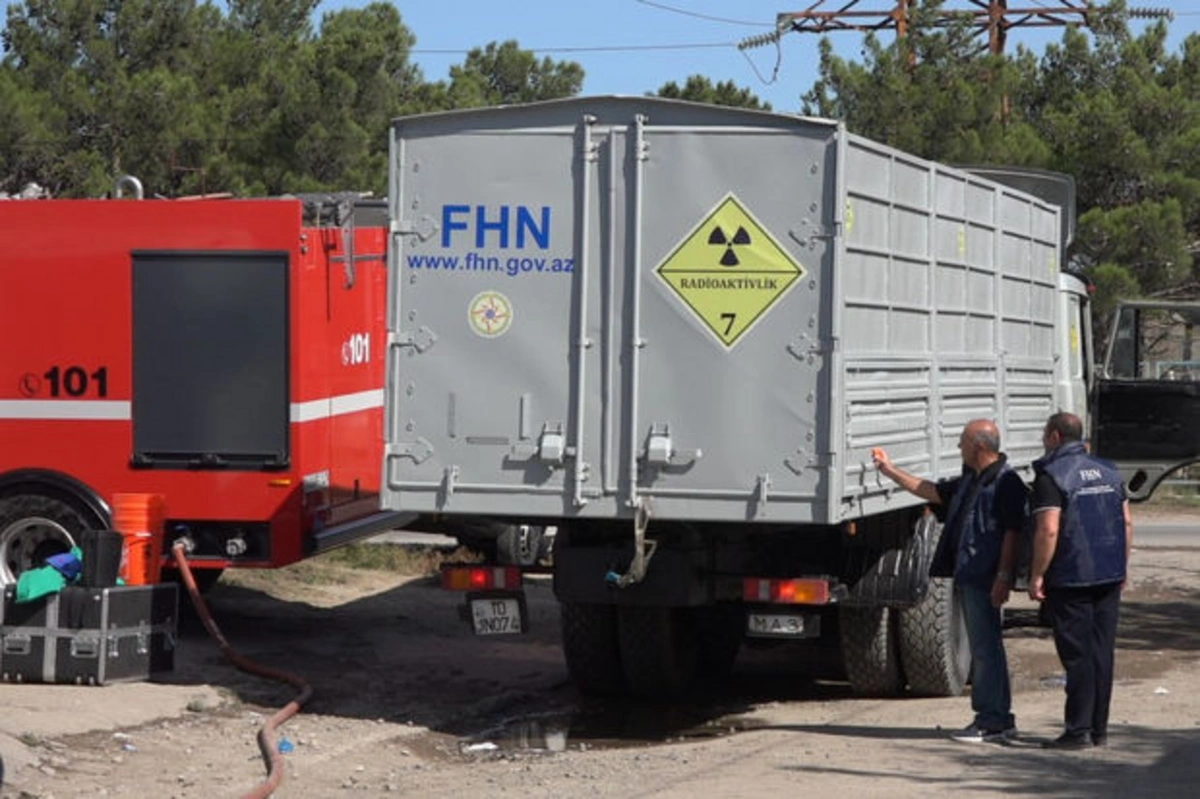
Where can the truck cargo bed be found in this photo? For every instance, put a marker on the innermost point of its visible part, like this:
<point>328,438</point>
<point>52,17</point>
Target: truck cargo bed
<point>605,303</point>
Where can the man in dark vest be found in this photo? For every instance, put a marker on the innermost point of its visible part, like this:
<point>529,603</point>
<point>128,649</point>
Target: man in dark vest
<point>1082,535</point>
<point>985,509</point>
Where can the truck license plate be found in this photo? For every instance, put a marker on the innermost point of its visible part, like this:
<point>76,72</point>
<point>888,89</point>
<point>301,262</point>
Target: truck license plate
<point>496,616</point>
<point>775,625</point>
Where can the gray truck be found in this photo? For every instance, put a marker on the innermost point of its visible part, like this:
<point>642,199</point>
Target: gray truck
<point>674,332</point>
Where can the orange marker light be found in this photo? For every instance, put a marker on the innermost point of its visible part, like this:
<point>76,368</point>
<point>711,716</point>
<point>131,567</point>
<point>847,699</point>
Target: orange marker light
<point>481,578</point>
<point>798,591</point>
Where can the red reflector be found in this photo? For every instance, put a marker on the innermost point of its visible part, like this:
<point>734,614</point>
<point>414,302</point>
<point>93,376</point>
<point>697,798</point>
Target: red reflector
<point>481,578</point>
<point>798,591</point>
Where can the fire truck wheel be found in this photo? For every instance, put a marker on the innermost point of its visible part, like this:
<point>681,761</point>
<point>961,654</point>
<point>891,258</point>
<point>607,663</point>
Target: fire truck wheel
<point>32,528</point>
<point>659,652</point>
<point>933,643</point>
<point>869,651</point>
<point>591,648</point>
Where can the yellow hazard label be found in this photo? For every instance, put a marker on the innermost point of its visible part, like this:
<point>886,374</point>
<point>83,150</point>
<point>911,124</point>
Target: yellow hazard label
<point>729,270</point>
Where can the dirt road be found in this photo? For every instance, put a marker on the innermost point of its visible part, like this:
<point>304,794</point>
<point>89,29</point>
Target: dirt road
<point>406,702</point>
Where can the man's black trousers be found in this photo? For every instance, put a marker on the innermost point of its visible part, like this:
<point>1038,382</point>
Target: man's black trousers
<point>1085,635</point>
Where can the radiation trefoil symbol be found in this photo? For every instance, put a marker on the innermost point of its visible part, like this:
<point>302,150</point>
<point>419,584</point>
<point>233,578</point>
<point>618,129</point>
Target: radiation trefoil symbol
<point>729,271</point>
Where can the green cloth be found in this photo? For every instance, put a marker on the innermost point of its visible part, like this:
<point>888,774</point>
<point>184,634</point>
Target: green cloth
<point>36,583</point>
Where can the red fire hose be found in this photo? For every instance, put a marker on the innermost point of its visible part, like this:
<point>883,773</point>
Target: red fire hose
<point>266,735</point>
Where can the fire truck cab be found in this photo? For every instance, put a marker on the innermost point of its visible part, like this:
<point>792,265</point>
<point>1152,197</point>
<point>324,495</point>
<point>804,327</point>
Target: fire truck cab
<point>225,354</point>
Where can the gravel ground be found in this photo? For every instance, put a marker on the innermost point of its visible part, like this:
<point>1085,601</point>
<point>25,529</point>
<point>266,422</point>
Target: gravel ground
<point>407,702</point>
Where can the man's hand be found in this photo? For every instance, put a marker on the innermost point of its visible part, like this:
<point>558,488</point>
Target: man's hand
<point>1037,589</point>
<point>1001,587</point>
<point>910,483</point>
<point>880,457</point>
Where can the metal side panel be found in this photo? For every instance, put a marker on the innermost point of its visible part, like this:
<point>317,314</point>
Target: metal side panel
<point>949,286</point>
<point>485,269</point>
<point>601,302</point>
<point>729,329</point>
<point>600,305</point>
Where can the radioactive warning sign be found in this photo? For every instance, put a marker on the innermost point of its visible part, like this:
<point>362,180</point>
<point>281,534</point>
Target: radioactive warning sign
<point>729,271</point>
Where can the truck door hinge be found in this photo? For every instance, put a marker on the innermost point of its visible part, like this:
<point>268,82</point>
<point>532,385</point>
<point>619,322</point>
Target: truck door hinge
<point>419,450</point>
<point>762,490</point>
<point>449,481</point>
<point>660,450</point>
<point>809,349</point>
<point>420,339</point>
<point>551,447</point>
<point>423,228</point>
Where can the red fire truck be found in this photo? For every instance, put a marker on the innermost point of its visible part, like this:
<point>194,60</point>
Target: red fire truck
<point>226,354</point>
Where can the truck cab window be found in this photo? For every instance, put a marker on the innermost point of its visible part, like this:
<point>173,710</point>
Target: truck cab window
<point>1156,344</point>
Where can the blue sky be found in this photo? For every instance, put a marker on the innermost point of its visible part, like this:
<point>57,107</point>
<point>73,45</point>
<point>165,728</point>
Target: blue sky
<point>459,25</point>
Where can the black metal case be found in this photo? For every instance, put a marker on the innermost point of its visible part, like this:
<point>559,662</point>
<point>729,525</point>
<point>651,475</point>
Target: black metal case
<point>89,636</point>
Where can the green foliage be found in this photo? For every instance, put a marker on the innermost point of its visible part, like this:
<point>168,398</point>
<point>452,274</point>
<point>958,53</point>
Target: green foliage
<point>252,98</point>
<point>699,89</point>
<point>1112,282</point>
<point>253,101</point>
<point>504,74</point>
<point>1116,111</point>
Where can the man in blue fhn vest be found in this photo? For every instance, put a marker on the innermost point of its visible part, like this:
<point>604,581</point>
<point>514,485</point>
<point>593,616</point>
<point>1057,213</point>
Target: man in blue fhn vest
<point>985,510</point>
<point>1082,535</point>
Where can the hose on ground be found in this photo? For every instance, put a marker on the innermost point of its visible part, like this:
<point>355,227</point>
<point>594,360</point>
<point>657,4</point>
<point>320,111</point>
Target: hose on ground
<point>266,735</point>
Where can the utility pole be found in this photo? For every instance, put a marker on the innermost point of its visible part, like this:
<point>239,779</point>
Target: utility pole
<point>993,17</point>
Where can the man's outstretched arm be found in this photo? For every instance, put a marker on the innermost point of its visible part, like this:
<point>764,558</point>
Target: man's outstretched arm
<point>924,489</point>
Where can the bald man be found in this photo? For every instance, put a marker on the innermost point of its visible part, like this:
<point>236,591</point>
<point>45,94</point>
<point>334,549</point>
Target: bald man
<point>986,507</point>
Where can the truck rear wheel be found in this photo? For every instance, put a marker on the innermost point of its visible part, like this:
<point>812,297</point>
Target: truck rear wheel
<point>520,545</point>
<point>502,543</point>
<point>591,648</point>
<point>933,643</point>
<point>869,650</point>
<point>34,527</point>
<point>719,632</point>
<point>659,651</point>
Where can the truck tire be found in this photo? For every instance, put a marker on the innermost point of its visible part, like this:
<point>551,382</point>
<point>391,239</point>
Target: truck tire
<point>32,528</point>
<point>659,652</point>
<point>934,649</point>
<point>869,650</point>
<point>719,632</point>
<point>591,648</point>
<point>505,544</point>
<point>519,545</point>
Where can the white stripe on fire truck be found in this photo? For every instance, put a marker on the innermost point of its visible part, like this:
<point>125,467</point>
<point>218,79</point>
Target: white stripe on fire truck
<point>103,410</point>
<point>122,410</point>
<point>337,406</point>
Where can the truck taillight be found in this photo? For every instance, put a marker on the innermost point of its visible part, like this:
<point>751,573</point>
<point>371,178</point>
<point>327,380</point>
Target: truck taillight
<point>481,578</point>
<point>798,591</point>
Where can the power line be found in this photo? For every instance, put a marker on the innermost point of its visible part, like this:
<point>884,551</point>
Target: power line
<point>989,16</point>
<point>615,48</point>
<point>710,18</point>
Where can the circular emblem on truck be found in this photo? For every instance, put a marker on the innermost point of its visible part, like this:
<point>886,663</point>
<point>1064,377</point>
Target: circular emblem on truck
<point>490,314</point>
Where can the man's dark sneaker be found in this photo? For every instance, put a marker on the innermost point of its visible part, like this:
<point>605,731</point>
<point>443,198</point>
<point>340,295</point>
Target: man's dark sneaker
<point>1100,739</point>
<point>1069,740</point>
<point>974,734</point>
